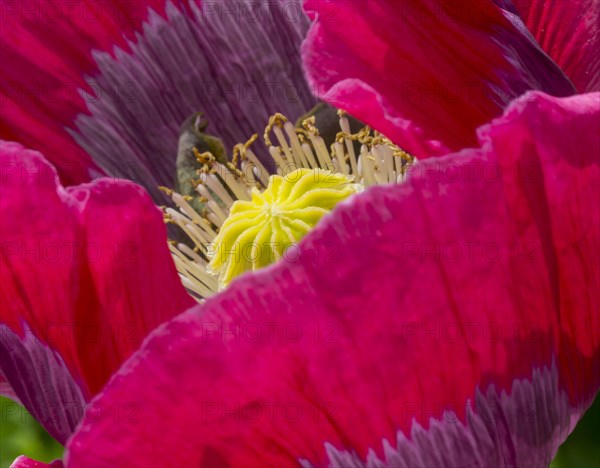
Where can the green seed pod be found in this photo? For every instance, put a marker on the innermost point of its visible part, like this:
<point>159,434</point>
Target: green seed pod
<point>192,135</point>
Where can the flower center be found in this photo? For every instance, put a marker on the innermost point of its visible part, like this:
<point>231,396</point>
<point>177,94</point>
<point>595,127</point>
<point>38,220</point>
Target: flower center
<point>237,217</point>
<point>257,232</point>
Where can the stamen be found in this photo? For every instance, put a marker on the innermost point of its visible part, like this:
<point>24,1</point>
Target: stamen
<point>249,217</point>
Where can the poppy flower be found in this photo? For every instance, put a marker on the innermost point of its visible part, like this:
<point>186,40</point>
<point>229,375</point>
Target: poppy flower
<point>366,282</point>
<point>447,321</point>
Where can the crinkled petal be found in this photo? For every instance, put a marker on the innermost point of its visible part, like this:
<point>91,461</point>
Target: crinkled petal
<point>46,53</point>
<point>475,283</point>
<point>570,33</point>
<point>86,275</point>
<point>429,72</point>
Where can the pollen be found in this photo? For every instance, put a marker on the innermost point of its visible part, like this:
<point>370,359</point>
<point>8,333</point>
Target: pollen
<point>250,217</point>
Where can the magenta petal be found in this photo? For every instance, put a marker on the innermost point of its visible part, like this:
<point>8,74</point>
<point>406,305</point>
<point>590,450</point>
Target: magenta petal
<point>46,53</point>
<point>570,33</point>
<point>447,67</point>
<point>24,462</point>
<point>86,271</point>
<point>476,281</point>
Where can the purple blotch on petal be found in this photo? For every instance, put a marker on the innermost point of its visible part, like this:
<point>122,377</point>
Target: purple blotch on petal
<point>238,62</point>
<point>41,381</point>
<point>523,428</point>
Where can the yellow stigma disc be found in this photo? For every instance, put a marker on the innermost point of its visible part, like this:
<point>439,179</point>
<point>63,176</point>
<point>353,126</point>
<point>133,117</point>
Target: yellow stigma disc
<point>258,232</point>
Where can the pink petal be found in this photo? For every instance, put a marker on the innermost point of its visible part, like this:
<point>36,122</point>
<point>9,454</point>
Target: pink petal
<point>85,274</point>
<point>428,71</point>
<point>46,53</point>
<point>24,462</point>
<point>570,33</point>
<point>378,330</point>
